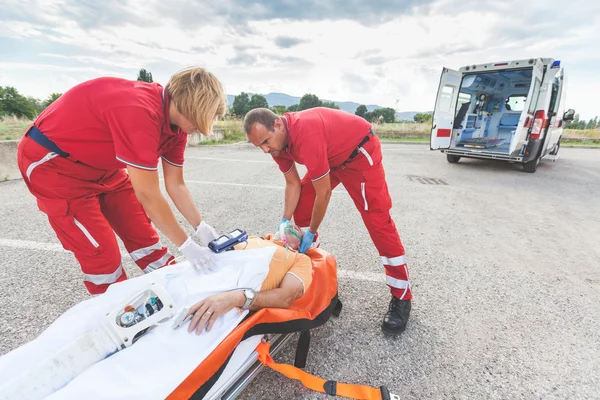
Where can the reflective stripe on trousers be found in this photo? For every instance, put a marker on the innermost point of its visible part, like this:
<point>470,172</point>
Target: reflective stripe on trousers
<point>103,279</point>
<point>158,263</point>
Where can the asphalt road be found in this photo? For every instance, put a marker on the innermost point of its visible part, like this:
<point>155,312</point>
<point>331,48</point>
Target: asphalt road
<point>505,269</point>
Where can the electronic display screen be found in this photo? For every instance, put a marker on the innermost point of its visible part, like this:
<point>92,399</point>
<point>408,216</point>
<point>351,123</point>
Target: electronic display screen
<point>236,233</point>
<point>222,240</point>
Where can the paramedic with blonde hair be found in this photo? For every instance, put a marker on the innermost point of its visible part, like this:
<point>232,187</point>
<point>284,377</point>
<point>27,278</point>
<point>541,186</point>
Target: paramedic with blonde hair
<point>336,147</point>
<point>91,161</point>
<point>289,277</point>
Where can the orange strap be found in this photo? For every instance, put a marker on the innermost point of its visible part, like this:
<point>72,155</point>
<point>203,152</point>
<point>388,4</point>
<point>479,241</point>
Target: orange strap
<point>317,384</point>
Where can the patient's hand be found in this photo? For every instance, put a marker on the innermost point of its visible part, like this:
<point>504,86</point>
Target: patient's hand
<point>211,308</point>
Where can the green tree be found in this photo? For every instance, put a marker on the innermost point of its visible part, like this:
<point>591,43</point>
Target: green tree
<point>330,104</point>
<point>293,108</point>
<point>592,123</point>
<point>15,104</point>
<point>309,101</point>
<point>387,115</point>
<point>241,104</point>
<point>422,118</point>
<point>51,99</point>
<point>258,101</point>
<point>361,111</point>
<point>144,76</point>
<point>279,109</point>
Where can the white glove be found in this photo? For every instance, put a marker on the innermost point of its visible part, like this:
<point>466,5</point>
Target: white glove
<point>197,255</point>
<point>206,233</point>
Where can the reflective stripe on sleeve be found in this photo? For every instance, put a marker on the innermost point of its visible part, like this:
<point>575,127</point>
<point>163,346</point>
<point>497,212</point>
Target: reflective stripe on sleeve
<point>286,172</point>
<point>137,165</point>
<point>102,279</point>
<point>316,179</point>
<point>394,261</point>
<point>171,162</point>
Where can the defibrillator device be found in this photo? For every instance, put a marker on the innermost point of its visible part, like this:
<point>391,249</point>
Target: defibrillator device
<point>119,329</point>
<point>228,241</point>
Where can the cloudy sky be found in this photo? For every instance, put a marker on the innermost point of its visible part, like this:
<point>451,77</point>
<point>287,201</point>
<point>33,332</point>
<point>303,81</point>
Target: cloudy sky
<point>385,52</point>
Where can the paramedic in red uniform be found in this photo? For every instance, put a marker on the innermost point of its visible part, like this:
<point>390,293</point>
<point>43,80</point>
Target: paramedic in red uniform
<point>336,147</point>
<point>91,161</point>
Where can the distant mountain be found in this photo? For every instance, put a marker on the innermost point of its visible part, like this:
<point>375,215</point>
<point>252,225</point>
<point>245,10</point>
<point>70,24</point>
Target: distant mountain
<point>276,99</point>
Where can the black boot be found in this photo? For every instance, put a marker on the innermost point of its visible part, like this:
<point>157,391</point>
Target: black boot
<point>394,321</point>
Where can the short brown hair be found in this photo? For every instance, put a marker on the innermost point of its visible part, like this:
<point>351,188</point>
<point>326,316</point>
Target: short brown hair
<point>199,96</point>
<point>263,116</point>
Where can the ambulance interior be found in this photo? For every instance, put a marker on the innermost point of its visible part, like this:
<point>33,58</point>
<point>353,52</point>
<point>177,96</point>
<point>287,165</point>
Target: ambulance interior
<point>489,109</point>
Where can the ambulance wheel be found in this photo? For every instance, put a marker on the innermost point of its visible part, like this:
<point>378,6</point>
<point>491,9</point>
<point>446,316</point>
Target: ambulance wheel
<point>452,159</point>
<point>531,166</point>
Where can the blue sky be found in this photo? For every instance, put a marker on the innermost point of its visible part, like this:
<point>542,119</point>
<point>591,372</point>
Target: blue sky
<point>381,52</point>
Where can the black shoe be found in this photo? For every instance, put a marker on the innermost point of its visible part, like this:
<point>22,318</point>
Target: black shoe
<point>394,321</point>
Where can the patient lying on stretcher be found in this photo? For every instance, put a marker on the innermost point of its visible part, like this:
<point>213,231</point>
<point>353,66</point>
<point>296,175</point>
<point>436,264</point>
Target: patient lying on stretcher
<point>277,274</point>
<point>290,275</point>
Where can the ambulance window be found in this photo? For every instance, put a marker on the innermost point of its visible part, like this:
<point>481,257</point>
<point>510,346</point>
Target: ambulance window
<point>464,98</point>
<point>516,102</point>
<point>553,102</point>
<point>446,98</point>
<point>534,97</point>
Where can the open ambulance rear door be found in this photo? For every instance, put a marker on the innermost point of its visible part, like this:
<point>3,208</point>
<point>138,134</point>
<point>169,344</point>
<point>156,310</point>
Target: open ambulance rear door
<point>535,121</point>
<point>556,110</point>
<point>445,108</point>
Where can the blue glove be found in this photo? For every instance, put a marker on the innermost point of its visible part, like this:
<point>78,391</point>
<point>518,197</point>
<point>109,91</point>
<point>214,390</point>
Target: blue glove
<point>307,240</point>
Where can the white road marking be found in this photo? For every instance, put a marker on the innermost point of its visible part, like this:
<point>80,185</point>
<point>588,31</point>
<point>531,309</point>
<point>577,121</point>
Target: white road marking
<point>248,185</point>
<point>362,276</point>
<point>235,184</point>
<point>32,245</point>
<point>230,159</point>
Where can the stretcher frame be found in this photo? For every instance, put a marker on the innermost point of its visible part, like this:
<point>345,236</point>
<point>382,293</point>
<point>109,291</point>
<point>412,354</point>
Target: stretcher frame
<point>250,369</point>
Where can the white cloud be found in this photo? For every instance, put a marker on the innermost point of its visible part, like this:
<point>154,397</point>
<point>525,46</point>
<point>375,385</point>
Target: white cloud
<point>278,46</point>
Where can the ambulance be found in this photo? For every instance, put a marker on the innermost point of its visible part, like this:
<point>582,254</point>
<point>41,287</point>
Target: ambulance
<point>512,111</point>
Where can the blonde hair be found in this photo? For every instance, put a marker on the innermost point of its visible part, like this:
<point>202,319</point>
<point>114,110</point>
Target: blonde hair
<point>198,96</point>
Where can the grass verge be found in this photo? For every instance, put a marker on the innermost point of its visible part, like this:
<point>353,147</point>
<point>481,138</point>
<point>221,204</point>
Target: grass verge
<point>12,128</point>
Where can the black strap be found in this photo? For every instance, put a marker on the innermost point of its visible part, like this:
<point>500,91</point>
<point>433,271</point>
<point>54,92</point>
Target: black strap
<point>330,387</point>
<point>302,349</point>
<point>41,139</point>
<point>337,309</point>
<point>385,393</point>
<point>356,150</point>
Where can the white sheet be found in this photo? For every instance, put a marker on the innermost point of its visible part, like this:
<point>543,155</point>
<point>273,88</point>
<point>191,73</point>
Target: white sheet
<point>156,364</point>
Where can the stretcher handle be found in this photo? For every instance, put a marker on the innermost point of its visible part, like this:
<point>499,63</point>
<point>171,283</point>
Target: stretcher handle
<point>317,384</point>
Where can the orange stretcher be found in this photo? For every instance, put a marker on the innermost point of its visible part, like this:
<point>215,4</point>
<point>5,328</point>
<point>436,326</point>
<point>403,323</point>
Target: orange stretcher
<point>275,327</point>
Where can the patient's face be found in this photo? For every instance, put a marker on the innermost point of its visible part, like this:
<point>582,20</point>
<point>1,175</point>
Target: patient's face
<point>292,236</point>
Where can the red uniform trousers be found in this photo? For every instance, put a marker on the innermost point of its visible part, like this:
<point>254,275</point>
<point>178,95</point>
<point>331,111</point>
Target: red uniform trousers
<point>364,179</point>
<point>86,207</point>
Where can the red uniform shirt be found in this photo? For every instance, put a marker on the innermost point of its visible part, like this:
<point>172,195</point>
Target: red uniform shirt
<point>109,122</point>
<point>320,138</point>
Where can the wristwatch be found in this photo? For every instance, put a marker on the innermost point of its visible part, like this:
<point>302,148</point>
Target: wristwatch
<point>249,295</point>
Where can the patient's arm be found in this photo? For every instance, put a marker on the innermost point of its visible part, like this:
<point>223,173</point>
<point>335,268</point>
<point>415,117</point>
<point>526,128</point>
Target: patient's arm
<point>207,311</point>
<point>282,297</point>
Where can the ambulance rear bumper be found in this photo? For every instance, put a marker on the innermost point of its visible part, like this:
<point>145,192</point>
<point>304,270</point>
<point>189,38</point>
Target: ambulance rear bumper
<point>482,154</point>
